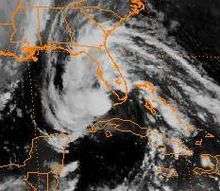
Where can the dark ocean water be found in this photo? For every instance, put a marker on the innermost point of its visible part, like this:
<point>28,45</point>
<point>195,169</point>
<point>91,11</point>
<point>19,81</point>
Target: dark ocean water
<point>122,162</point>
<point>198,31</point>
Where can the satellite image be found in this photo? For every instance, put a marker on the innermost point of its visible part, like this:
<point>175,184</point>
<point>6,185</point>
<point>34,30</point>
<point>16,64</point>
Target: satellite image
<point>110,95</point>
